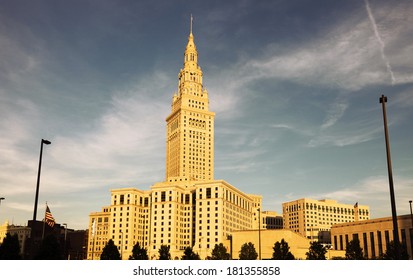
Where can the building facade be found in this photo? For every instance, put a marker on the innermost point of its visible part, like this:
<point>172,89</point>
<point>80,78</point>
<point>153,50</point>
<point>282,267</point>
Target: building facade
<point>374,235</point>
<point>314,218</point>
<point>190,125</point>
<point>190,208</point>
<point>271,220</point>
<point>22,232</point>
<point>298,244</point>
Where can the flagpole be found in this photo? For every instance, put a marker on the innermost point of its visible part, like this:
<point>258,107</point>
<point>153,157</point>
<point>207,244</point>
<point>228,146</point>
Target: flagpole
<point>44,221</point>
<point>93,249</point>
<point>93,235</point>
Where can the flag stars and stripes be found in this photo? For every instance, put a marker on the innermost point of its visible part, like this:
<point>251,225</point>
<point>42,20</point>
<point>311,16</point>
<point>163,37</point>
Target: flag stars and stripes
<point>49,218</point>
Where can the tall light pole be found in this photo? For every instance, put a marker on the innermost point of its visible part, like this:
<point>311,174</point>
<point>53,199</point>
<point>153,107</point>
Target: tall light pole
<point>121,247</point>
<point>46,142</point>
<point>383,100</point>
<point>64,248</point>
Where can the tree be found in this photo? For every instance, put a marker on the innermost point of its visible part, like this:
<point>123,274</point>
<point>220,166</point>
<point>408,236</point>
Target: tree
<point>248,252</point>
<point>189,254</point>
<point>50,249</point>
<point>110,251</point>
<point>138,253</point>
<point>164,253</point>
<point>220,252</point>
<point>391,252</point>
<point>10,248</point>
<point>316,251</point>
<point>282,251</point>
<point>354,251</point>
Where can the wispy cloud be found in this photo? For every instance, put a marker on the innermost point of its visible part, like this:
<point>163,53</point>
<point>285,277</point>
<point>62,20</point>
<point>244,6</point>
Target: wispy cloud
<point>126,140</point>
<point>380,40</point>
<point>334,113</point>
<point>123,147</point>
<point>344,58</point>
<point>371,191</point>
<point>357,135</point>
<point>374,191</point>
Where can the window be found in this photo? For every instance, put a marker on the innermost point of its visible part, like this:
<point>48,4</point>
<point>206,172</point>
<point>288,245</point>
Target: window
<point>208,193</point>
<point>379,243</point>
<point>365,244</point>
<point>387,237</point>
<point>373,249</point>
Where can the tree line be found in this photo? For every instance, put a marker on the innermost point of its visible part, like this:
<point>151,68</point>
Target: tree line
<point>281,251</point>
<point>50,250</point>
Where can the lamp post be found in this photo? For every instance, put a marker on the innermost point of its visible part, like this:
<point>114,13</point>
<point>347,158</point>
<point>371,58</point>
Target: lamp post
<point>121,247</point>
<point>64,247</point>
<point>383,100</point>
<point>46,142</point>
<point>229,237</point>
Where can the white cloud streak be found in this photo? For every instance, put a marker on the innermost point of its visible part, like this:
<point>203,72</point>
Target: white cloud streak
<point>344,58</point>
<point>335,112</point>
<point>381,42</point>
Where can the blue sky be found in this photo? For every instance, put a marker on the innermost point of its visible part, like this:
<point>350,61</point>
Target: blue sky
<point>295,86</point>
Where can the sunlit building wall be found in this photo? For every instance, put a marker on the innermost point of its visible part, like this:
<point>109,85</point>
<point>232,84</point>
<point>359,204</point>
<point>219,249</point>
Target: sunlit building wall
<point>313,218</point>
<point>374,235</point>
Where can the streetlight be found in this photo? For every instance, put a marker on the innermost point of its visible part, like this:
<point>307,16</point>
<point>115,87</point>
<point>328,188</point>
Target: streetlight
<point>1,198</point>
<point>383,100</point>
<point>229,237</point>
<point>46,142</point>
<point>121,247</point>
<point>64,248</point>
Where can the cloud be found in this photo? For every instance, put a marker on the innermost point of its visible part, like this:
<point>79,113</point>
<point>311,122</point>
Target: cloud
<point>374,192</point>
<point>380,40</point>
<point>344,58</point>
<point>371,191</point>
<point>16,61</point>
<point>405,98</point>
<point>125,144</point>
<point>121,147</point>
<point>359,134</point>
<point>334,113</point>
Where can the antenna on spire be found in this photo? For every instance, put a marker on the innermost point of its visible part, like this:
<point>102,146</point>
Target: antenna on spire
<point>192,19</point>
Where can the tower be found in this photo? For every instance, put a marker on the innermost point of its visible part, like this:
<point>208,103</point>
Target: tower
<point>190,125</point>
<point>190,208</point>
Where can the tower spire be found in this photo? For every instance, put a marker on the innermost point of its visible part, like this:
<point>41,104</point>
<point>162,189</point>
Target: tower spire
<point>190,30</point>
<point>187,157</point>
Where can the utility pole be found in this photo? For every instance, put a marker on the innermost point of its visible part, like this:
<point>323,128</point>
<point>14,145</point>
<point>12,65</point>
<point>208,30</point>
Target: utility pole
<point>383,100</point>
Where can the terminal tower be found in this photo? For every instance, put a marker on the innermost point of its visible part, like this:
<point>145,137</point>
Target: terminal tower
<point>190,208</point>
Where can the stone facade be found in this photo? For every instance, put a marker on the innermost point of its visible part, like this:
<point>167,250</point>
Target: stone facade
<point>313,218</point>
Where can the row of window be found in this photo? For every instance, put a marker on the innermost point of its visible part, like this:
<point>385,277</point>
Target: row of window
<point>323,208</point>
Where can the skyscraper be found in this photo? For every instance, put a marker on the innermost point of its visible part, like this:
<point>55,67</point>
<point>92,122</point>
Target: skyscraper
<point>190,126</point>
<point>190,208</point>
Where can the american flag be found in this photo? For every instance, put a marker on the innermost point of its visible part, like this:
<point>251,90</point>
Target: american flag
<point>49,218</point>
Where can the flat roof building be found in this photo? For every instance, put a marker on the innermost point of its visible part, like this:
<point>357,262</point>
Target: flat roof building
<point>313,218</point>
<point>374,235</point>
